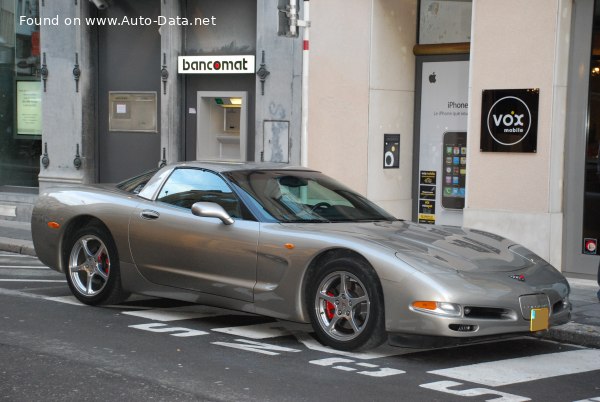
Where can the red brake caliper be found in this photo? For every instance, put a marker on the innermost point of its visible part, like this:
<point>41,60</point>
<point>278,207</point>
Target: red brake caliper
<point>102,259</point>
<point>329,308</point>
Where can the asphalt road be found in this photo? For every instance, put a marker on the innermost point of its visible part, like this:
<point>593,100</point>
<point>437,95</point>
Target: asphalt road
<point>54,349</point>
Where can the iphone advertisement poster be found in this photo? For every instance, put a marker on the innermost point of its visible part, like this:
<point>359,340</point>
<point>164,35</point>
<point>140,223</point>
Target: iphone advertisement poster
<point>443,137</point>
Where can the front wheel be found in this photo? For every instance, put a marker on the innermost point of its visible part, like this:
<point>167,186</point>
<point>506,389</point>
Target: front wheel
<point>93,267</point>
<point>346,305</point>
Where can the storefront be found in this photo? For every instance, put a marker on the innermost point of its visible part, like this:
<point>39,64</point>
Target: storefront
<point>20,98</point>
<point>399,97</point>
<point>164,88</point>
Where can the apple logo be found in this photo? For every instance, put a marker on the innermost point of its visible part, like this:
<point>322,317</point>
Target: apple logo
<point>432,78</point>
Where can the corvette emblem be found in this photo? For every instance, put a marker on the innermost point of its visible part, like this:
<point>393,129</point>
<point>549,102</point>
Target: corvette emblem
<point>519,277</point>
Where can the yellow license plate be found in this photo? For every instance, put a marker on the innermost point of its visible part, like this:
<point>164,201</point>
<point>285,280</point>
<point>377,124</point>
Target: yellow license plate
<point>539,319</point>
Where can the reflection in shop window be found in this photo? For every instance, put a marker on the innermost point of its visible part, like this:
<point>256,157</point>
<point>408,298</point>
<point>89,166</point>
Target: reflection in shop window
<point>20,98</point>
<point>591,197</point>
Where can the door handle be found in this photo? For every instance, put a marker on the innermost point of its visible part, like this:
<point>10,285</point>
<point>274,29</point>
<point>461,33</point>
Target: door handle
<point>149,214</point>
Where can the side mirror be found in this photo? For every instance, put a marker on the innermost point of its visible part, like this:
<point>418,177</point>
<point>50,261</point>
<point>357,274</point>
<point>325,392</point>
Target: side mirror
<point>211,210</point>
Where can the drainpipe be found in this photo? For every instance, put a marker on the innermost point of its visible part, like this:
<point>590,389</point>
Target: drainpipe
<point>305,58</point>
<point>292,14</point>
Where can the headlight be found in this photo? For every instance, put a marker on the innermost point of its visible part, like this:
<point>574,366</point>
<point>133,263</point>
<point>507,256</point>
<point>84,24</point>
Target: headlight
<point>438,308</point>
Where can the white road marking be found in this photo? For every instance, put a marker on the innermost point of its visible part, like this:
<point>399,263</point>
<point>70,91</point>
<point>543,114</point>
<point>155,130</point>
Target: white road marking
<point>382,372</point>
<point>66,299</point>
<point>525,369</point>
<point>23,267</point>
<point>34,280</point>
<point>175,313</point>
<point>257,347</point>
<point>333,361</point>
<point>161,328</point>
<point>257,331</point>
<point>344,368</point>
<point>369,365</point>
<point>17,256</point>
<point>597,399</point>
<point>444,386</point>
<point>330,361</point>
<point>382,351</point>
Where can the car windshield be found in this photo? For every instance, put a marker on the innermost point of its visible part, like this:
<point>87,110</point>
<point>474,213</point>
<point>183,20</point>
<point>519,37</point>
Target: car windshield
<point>135,184</point>
<point>303,196</point>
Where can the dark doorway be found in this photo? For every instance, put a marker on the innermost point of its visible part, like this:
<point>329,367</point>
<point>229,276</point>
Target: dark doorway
<point>128,63</point>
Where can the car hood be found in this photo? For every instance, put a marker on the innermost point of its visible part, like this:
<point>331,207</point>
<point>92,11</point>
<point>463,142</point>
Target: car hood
<point>433,247</point>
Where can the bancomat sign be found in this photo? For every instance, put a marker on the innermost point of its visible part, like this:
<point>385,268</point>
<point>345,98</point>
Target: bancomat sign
<point>216,65</point>
<point>509,120</point>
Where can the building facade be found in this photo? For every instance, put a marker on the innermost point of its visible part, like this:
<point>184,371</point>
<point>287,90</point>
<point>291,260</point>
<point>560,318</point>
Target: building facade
<point>403,100</point>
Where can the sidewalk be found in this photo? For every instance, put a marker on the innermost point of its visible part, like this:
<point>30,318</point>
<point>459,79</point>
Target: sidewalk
<point>584,329</point>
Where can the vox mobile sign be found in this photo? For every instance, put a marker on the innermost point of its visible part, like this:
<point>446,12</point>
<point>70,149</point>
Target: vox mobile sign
<point>509,120</point>
<point>216,65</point>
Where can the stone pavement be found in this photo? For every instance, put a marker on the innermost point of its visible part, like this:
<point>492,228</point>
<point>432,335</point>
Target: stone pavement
<point>584,329</point>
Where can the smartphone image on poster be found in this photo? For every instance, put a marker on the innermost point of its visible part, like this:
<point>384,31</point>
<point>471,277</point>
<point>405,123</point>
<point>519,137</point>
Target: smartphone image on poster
<point>454,169</point>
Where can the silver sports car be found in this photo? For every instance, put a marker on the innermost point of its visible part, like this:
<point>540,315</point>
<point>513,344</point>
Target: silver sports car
<point>293,244</point>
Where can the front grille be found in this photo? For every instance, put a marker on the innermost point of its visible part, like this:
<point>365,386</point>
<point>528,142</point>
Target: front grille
<point>529,302</point>
<point>487,313</point>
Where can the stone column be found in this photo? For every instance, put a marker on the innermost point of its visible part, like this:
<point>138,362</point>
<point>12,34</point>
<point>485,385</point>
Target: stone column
<point>171,127</point>
<point>68,103</point>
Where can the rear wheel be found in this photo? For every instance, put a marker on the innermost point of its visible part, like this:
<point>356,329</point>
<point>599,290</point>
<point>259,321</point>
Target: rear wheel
<point>346,305</point>
<point>93,267</point>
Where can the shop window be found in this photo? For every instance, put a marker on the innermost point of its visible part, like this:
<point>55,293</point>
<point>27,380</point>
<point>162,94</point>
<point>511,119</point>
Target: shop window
<point>20,98</point>
<point>591,195</point>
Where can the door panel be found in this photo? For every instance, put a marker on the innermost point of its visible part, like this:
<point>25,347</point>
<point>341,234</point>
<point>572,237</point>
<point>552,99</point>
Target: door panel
<point>172,247</point>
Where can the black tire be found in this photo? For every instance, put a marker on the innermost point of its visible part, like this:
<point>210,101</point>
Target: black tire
<point>350,317</point>
<point>92,267</point>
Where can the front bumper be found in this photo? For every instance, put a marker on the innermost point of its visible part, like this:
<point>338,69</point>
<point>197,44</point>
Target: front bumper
<point>445,331</point>
<point>486,313</point>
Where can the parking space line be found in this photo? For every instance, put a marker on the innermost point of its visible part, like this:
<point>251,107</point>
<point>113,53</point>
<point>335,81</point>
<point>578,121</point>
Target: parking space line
<point>257,331</point>
<point>35,280</point>
<point>66,299</point>
<point>23,267</point>
<point>175,313</point>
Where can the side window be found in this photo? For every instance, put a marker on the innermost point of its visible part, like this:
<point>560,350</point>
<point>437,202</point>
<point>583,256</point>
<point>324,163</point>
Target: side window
<point>187,186</point>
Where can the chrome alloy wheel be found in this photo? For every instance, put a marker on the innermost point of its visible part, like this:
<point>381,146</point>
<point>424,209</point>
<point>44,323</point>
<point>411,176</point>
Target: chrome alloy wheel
<point>89,265</point>
<point>342,305</point>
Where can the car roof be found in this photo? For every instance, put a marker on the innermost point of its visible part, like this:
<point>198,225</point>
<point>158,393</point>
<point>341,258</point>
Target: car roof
<point>227,166</point>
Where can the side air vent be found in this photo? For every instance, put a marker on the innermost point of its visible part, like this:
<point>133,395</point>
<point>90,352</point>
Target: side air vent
<point>463,327</point>
<point>488,313</point>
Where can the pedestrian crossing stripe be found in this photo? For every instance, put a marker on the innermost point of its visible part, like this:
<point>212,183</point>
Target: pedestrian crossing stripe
<point>525,369</point>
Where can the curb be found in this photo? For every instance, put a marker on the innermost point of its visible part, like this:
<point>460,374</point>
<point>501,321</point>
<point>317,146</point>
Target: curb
<point>17,246</point>
<point>574,333</point>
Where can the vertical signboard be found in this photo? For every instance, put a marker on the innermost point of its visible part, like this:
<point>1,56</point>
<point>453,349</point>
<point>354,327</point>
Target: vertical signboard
<point>443,141</point>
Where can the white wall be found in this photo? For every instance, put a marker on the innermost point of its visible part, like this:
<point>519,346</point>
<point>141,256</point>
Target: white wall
<point>362,87</point>
<point>391,102</point>
<point>520,44</point>
<point>339,89</point>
